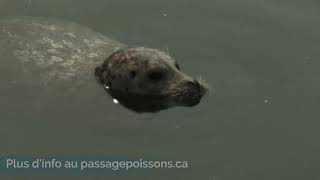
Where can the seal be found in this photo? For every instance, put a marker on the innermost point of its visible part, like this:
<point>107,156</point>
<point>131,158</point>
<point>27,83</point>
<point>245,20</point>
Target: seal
<point>145,79</point>
<point>66,54</point>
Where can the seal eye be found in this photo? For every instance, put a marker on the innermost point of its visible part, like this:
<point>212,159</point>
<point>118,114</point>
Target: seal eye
<point>133,74</point>
<point>155,75</point>
<point>177,66</point>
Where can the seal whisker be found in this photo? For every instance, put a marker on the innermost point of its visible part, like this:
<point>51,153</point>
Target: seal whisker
<point>204,83</point>
<point>167,49</point>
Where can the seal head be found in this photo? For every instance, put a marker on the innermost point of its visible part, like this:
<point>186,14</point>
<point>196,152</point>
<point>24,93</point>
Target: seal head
<point>148,80</point>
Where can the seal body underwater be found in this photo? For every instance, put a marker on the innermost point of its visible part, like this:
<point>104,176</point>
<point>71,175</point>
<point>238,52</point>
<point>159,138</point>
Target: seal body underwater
<point>44,55</point>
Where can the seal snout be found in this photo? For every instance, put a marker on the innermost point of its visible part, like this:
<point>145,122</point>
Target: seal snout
<point>194,93</point>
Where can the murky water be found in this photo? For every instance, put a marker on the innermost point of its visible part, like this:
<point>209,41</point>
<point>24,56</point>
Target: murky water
<point>261,57</point>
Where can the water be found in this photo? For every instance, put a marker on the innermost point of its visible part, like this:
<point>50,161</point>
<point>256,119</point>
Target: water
<point>261,58</point>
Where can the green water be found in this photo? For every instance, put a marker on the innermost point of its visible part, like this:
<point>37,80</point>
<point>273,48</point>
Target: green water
<point>260,57</point>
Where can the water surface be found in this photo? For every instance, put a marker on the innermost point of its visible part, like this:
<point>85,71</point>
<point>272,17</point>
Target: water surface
<point>261,57</point>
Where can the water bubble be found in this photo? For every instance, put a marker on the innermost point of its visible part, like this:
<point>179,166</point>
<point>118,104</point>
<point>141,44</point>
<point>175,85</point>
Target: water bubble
<point>115,101</point>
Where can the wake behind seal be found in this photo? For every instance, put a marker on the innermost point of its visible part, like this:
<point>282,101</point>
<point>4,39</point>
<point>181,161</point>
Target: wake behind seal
<point>68,54</point>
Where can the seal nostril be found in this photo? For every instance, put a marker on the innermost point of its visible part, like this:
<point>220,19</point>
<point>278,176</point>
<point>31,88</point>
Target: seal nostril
<point>190,83</point>
<point>196,83</point>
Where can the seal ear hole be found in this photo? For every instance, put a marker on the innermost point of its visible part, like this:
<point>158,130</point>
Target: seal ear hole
<point>155,75</point>
<point>133,74</point>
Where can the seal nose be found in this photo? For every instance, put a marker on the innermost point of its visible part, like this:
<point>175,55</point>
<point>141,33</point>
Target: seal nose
<point>196,88</point>
<point>194,94</point>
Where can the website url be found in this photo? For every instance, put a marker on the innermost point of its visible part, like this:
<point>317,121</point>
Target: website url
<point>84,164</point>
